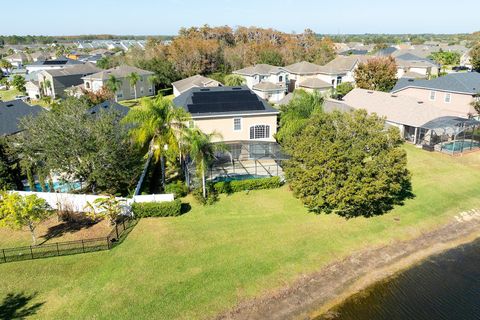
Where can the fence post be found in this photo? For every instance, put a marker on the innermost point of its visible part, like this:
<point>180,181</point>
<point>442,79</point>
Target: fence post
<point>83,246</point>
<point>58,251</point>
<point>31,251</point>
<point>4,257</point>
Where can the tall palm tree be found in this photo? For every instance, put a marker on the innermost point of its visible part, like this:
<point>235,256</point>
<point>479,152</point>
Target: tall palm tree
<point>114,84</point>
<point>202,151</point>
<point>47,86</point>
<point>234,80</point>
<point>159,124</point>
<point>134,78</point>
<point>153,80</point>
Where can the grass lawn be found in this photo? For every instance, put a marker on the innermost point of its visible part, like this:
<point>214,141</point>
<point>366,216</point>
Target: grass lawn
<point>206,261</point>
<point>7,95</point>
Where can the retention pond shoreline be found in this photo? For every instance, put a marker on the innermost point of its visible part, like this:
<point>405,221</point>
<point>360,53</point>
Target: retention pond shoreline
<point>313,295</point>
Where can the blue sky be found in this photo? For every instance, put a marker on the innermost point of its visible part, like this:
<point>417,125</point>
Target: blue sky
<point>142,17</point>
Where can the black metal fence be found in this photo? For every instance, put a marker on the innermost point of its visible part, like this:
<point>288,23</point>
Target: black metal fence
<point>116,236</point>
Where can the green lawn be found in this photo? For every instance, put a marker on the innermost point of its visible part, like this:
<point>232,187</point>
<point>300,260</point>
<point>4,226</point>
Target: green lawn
<point>206,261</point>
<point>7,95</point>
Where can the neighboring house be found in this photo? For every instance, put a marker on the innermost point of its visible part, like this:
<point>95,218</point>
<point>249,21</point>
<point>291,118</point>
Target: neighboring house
<point>17,59</point>
<point>267,81</point>
<point>39,56</point>
<point>97,81</point>
<point>11,112</point>
<point>236,113</point>
<point>407,113</point>
<point>299,72</point>
<point>33,89</point>
<point>60,63</point>
<point>453,92</point>
<point>196,81</point>
<point>417,67</point>
<point>314,84</point>
<point>341,69</point>
<point>109,106</point>
<point>62,79</point>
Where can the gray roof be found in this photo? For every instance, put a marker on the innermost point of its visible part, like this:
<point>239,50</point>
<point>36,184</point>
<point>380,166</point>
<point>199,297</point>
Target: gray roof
<point>60,61</point>
<point>386,52</point>
<point>260,69</point>
<point>81,69</point>
<point>314,83</point>
<point>286,99</point>
<point>303,67</point>
<point>119,72</point>
<point>330,105</point>
<point>109,105</point>
<point>11,112</point>
<point>462,82</point>
<point>343,64</point>
<point>195,81</point>
<point>185,101</point>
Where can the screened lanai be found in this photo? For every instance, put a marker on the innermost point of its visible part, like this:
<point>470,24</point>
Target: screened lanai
<point>452,135</point>
<point>245,160</point>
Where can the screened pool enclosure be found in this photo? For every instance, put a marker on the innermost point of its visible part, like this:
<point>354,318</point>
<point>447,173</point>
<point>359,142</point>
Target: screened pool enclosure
<point>245,160</point>
<point>452,135</point>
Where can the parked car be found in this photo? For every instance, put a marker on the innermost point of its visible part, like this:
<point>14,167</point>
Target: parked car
<point>23,98</point>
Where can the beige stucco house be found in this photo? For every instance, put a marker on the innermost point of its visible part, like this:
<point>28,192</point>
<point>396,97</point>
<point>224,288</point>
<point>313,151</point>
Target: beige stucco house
<point>454,92</point>
<point>236,113</point>
<point>267,81</point>
<point>144,87</point>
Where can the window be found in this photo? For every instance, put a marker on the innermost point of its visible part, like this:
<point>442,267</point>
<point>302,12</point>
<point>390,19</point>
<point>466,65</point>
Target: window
<point>237,124</point>
<point>448,97</point>
<point>339,80</point>
<point>280,79</point>
<point>432,95</point>
<point>87,85</point>
<point>191,124</point>
<point>259,132</point>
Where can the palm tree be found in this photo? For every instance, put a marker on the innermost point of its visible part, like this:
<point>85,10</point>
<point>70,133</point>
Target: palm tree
<point>153,80</point>
<point>133,78</point>
<point>202,151</point>
<point>159,124</point>
<point>47,86</point>
<point>4,64</point>
<point>114,84</point>
<point>234,80</point>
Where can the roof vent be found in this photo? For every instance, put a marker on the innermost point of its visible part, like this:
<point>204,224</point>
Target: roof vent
<point>411,80</point>
<point>9,105</point>
<point>420,102</point>
<point>370,92</point>
<point>237,88</point>
<point>204,89</point>
<point>394,96</point>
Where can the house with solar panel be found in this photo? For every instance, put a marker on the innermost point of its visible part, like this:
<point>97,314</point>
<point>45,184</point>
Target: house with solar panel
<point>247,125</point>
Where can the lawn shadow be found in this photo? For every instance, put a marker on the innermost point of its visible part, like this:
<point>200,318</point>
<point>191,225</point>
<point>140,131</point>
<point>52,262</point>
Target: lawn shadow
<point>186,207</point>
<point>68,226</point>
<point>15,306</point>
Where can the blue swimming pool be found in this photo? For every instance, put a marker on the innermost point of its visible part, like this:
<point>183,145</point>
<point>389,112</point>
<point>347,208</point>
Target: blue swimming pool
<point>235,177</point>
<point>460,146</point>
<point>57,186</point>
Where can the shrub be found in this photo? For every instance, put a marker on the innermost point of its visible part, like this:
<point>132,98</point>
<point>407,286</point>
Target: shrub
<point>179,189</point>
<point>250,184</point>
<point>157,209</point>
<point>212,195</point>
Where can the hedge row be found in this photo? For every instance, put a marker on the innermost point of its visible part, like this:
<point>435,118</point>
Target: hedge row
<point>250,184</point>
<point>157,209</point>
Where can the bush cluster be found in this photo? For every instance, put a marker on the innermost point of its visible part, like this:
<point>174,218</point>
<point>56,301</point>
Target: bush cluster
<point>157,209</point>
<point>178,188</point>
<point>250,184</point>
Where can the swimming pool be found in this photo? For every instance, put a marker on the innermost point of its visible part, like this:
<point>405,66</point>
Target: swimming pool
<point>57,186</point>
<point>234,177</point>
<point>460,146</point>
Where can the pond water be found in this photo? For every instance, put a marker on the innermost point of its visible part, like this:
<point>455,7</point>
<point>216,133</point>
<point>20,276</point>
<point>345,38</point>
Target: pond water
<point>446,286</point>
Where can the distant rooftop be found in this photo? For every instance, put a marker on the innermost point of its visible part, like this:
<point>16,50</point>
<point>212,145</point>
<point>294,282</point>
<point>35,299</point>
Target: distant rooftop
<point>462,82</point>
<point>11,112</point>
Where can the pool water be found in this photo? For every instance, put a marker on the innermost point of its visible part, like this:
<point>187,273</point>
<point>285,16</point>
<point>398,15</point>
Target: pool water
<point>459,146</point>
<point>236,177</point>
<point>57,186</point>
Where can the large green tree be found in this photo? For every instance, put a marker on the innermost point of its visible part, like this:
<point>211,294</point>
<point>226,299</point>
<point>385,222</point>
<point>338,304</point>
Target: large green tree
<point>348,164</point>
<point>377,74</point>
<point>18,82</point>
<point>92,148</point>
<point>234,80</point>
<point>9,168</point>
<point>18,211</point>
<point>475,57</point>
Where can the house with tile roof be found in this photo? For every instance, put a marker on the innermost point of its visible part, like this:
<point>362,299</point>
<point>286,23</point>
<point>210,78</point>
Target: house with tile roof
<point>410,65</point>
<point>96,81</point>
<point>454,92</point>
<point>12,112</point>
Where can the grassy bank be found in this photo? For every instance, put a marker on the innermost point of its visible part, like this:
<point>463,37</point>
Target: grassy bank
<point>209,259</point>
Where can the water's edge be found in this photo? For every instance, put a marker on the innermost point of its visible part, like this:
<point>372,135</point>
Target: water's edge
<point>314,294</point>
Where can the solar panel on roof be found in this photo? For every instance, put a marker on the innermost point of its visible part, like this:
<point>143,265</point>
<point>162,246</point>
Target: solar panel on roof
<point>224,101</point>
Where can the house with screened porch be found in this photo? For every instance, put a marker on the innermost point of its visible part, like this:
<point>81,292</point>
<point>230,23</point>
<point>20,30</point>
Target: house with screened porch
<point>246,124</point>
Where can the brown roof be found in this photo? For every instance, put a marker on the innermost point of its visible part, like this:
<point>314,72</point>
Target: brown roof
<point>303,68</point>
<point>195,81</point>
<point>119,72</point>
<point>261,69</point>
<point>87,68</point>
<point>343,64</point>
<point>314,83</point>
<point>398,109</point>
<point>268,86</point>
